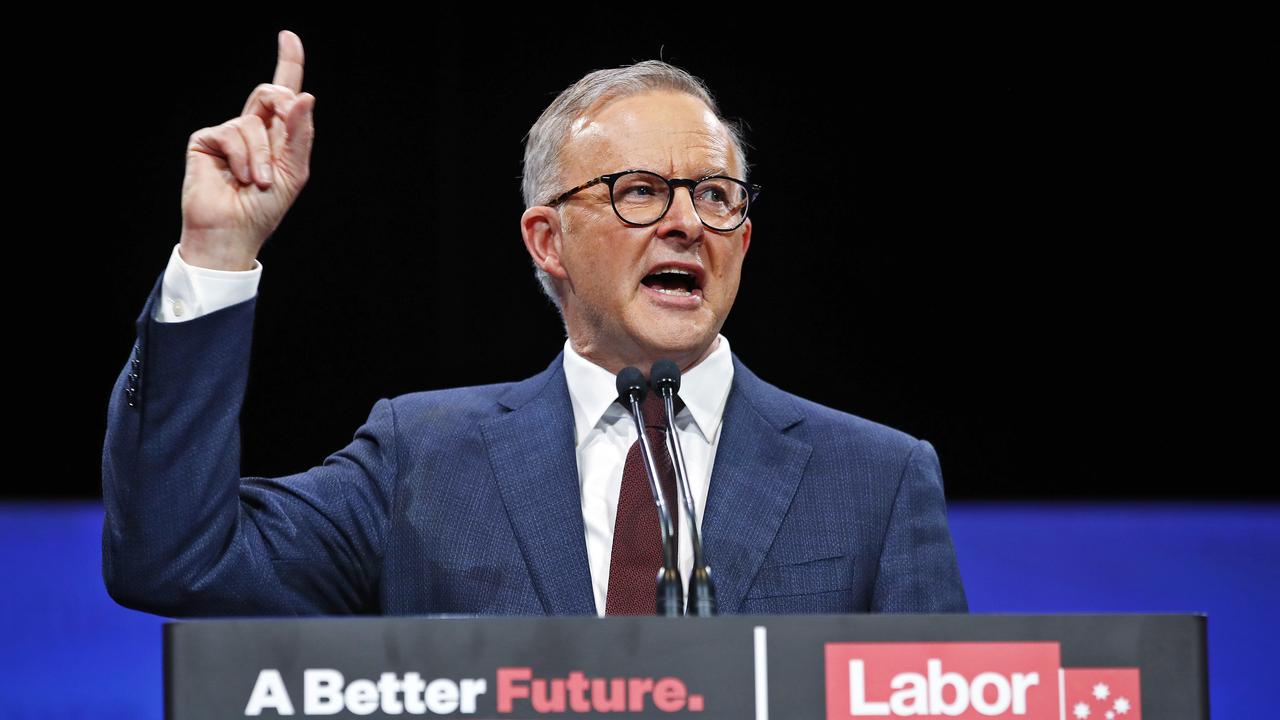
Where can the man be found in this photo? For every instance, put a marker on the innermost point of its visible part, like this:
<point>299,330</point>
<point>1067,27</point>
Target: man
<point>517,498</point>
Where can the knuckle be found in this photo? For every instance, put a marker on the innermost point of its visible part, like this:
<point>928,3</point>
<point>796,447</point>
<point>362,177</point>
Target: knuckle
<point>245,129</point>
<point>211,138</point>
<point>271,93</point>
<point>251,123</point>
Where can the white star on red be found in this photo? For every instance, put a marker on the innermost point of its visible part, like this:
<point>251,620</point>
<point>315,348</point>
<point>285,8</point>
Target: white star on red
<point>1122,705</point>
<point>1101,691</point>
<point>1081,711</point>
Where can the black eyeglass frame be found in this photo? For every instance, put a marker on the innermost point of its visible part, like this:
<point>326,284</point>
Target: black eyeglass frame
<point>610,179</point>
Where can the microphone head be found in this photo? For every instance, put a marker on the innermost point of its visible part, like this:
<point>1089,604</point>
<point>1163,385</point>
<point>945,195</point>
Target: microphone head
<point>631,381</point>
<point>665,373</point>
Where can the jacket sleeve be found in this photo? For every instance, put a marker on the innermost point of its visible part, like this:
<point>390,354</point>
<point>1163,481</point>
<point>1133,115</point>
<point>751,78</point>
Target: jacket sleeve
<point>184,534</point>
<point>918,572</point>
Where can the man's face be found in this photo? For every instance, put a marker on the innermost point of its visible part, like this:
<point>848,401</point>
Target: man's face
<point>619,307</point>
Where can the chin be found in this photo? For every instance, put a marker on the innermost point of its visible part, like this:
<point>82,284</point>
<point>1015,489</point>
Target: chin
<point>679,339</point>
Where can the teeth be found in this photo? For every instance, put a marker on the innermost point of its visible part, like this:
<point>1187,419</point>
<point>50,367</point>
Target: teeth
<point>677,271</point>
<point>681,293</point>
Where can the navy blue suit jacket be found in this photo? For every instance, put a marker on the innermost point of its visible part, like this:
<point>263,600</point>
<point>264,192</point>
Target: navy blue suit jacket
<point>467,500</point>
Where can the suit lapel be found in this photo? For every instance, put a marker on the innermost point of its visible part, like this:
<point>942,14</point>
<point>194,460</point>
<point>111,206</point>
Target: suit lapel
<point>757,469</point>
<point>532,454</point>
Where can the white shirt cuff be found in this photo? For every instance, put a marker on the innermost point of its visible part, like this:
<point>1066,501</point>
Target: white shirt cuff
<point>188,291</point>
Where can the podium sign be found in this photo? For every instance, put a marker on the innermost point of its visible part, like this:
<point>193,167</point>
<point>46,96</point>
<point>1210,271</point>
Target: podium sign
<point>827,667</point>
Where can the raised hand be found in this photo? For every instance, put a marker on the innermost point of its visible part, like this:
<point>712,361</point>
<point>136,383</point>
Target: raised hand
<point>243,175</point>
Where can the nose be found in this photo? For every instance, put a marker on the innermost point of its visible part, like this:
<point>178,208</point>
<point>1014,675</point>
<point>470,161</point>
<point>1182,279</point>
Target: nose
<point>681,223</point>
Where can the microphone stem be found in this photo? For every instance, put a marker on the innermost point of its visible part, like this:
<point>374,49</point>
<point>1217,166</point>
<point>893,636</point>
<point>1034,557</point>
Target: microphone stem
<point>702,590</point>
<point>664,513</point>
<point>682,474</point>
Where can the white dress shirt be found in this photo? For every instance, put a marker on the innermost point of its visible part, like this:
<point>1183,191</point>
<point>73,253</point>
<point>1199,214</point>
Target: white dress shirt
<point>187,291</point>
<point>604,431</point>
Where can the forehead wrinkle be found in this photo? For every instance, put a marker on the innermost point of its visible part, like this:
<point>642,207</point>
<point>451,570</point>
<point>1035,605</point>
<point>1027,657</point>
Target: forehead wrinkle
<point>636,143</point>
<point>707,155</point>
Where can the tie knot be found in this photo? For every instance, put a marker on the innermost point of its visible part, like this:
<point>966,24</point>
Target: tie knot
<point>655,414</point>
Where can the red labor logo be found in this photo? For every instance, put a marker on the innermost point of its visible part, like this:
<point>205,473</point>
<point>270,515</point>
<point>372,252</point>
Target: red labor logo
<point>972,681</point>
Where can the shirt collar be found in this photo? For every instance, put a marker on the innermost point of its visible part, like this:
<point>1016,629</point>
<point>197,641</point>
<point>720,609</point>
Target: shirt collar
<point>704,390</point>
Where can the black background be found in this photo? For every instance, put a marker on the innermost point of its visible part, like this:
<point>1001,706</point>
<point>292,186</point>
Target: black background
<point>1051,266</point>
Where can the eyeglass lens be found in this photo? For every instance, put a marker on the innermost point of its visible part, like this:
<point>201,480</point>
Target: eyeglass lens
<point>641,198</point>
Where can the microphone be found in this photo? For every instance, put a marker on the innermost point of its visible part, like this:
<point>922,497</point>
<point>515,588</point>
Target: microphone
<point>665,379</point>
<point>670,588</point>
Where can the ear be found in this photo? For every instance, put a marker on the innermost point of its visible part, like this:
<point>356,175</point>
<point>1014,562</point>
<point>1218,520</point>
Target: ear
<point>746,236</point>
<point>540,228</point>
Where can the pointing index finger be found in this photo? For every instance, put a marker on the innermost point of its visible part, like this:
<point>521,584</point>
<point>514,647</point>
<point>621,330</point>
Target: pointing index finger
<point>289,61</point>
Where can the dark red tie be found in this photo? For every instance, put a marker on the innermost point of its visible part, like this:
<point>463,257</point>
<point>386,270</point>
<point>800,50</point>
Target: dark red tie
<point>637,542</point>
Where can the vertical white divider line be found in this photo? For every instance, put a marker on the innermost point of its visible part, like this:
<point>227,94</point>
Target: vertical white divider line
<point>762,674</point>
<point>1062,694</point>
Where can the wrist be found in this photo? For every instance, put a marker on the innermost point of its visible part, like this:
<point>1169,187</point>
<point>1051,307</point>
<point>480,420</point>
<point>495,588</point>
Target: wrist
<point>200,252</point>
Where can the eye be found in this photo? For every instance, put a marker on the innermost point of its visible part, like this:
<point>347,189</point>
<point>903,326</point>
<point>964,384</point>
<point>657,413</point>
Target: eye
<point>718,192</point>
<point>712,194</point>
<point>639,188</point>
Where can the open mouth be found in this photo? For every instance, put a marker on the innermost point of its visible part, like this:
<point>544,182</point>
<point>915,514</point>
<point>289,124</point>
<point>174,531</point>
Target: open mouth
<point>673,281</point>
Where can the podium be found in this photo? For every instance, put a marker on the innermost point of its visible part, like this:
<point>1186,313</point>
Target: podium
<point>1031,667</point>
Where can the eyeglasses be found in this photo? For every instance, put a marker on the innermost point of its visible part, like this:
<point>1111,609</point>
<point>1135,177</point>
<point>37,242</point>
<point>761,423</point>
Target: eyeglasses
<point>640,197</point>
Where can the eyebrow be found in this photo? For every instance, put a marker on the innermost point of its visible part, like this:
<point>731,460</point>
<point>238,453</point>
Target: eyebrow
<point>704,171</point>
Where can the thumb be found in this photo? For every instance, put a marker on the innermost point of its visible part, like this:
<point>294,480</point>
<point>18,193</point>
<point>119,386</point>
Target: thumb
<point>300,131</point>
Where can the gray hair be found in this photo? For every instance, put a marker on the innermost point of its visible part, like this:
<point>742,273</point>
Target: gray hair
<point>544,145</point>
